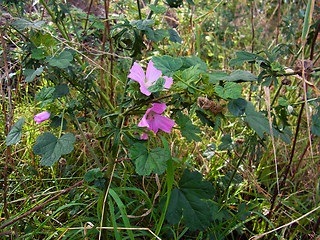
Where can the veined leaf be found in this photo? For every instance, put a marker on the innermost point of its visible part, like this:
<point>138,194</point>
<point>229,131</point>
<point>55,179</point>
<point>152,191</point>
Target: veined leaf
<point>142,24</point>
<point>258,122</point>
<point>149,160</point>
<point>31,73</point>
<point>187,129</point>
<point>167,64</point>
<point>14,135</point>
<point>63,60</point>
<point>174,36</point>
<point>229,90</point>
<point>186,201</point>
<point>52,148</point>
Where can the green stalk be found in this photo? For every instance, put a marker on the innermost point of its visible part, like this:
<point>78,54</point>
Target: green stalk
<point>87,144</point>
<point>276,95</point>
<point>65,35</point>
<point>151,12</point>
<point>190,86</point>
<point>234,173</point>
<point>169,180</point>
<point>61,30</point>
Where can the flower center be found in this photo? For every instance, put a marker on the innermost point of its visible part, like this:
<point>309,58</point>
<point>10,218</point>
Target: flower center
<point>150,115</point>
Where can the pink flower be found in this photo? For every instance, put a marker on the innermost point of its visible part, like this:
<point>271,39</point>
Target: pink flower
<point>154,121</point>
<point>148,79</point>
<point>40,117</point>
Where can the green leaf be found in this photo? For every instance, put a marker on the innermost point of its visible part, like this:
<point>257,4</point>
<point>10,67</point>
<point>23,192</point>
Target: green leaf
<point>45,96</point>
<point>148,161</point>
<point>186,200</point>
<point>14,135</point>
<point>38,54</point>
<point>52,148</point>
<point>61,90</point>
<point>63,60</point>
<point>158,86</point>
<point>174,36</point>
<point>204,118</point>
<point>21,24</point>
<point>246,56</point>
<point>258,122</point>
<point>167,64</point>
<point>157,9</point>
<point>190,2</point>
<point>31,73</point>
<point>56,123</point>
<point>215,77</point>
<point>194,61</point>
<point>307,20</point>
<point>237,106</point>
<point>93,174</point>
<point>242,76</point>
<point>226,143</point>
<point>230,90</point>
<point>315,127</point>
<point>142,24</point>
<point>187,129</point>
<point>156,35</point>
<point>189,76</point>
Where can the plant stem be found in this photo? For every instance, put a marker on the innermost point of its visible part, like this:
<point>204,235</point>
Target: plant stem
<point>285,175</point>
<point>88,144</point>
<point>151,12</point>
<point>234,173</point>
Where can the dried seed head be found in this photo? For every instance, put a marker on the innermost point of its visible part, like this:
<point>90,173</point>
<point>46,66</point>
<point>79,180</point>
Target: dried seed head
<point>206,104</point>
<point>286,81</point>
<point>307,64</point>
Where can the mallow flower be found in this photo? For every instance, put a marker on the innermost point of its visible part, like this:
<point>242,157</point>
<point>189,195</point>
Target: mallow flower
<point>43,116</point>
<point>148,79</point>
<point>154,121</point>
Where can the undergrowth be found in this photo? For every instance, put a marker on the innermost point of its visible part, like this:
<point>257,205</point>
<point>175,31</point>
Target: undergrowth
<point>159,120</point>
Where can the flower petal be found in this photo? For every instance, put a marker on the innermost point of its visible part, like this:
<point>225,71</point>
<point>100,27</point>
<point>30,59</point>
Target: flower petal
<point>40,117</point>
<point>144,122</point>
<point>168,82</point>
<point>137,73</point>
<point>144,136</point>
<point>144,89</point>
<point>163,123</point>
<point>152,74</point>
<point>158,107</point>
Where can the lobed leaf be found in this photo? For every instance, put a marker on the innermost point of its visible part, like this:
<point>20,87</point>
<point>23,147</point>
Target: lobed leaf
<point>14,135</point>
<point>52,148</point>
